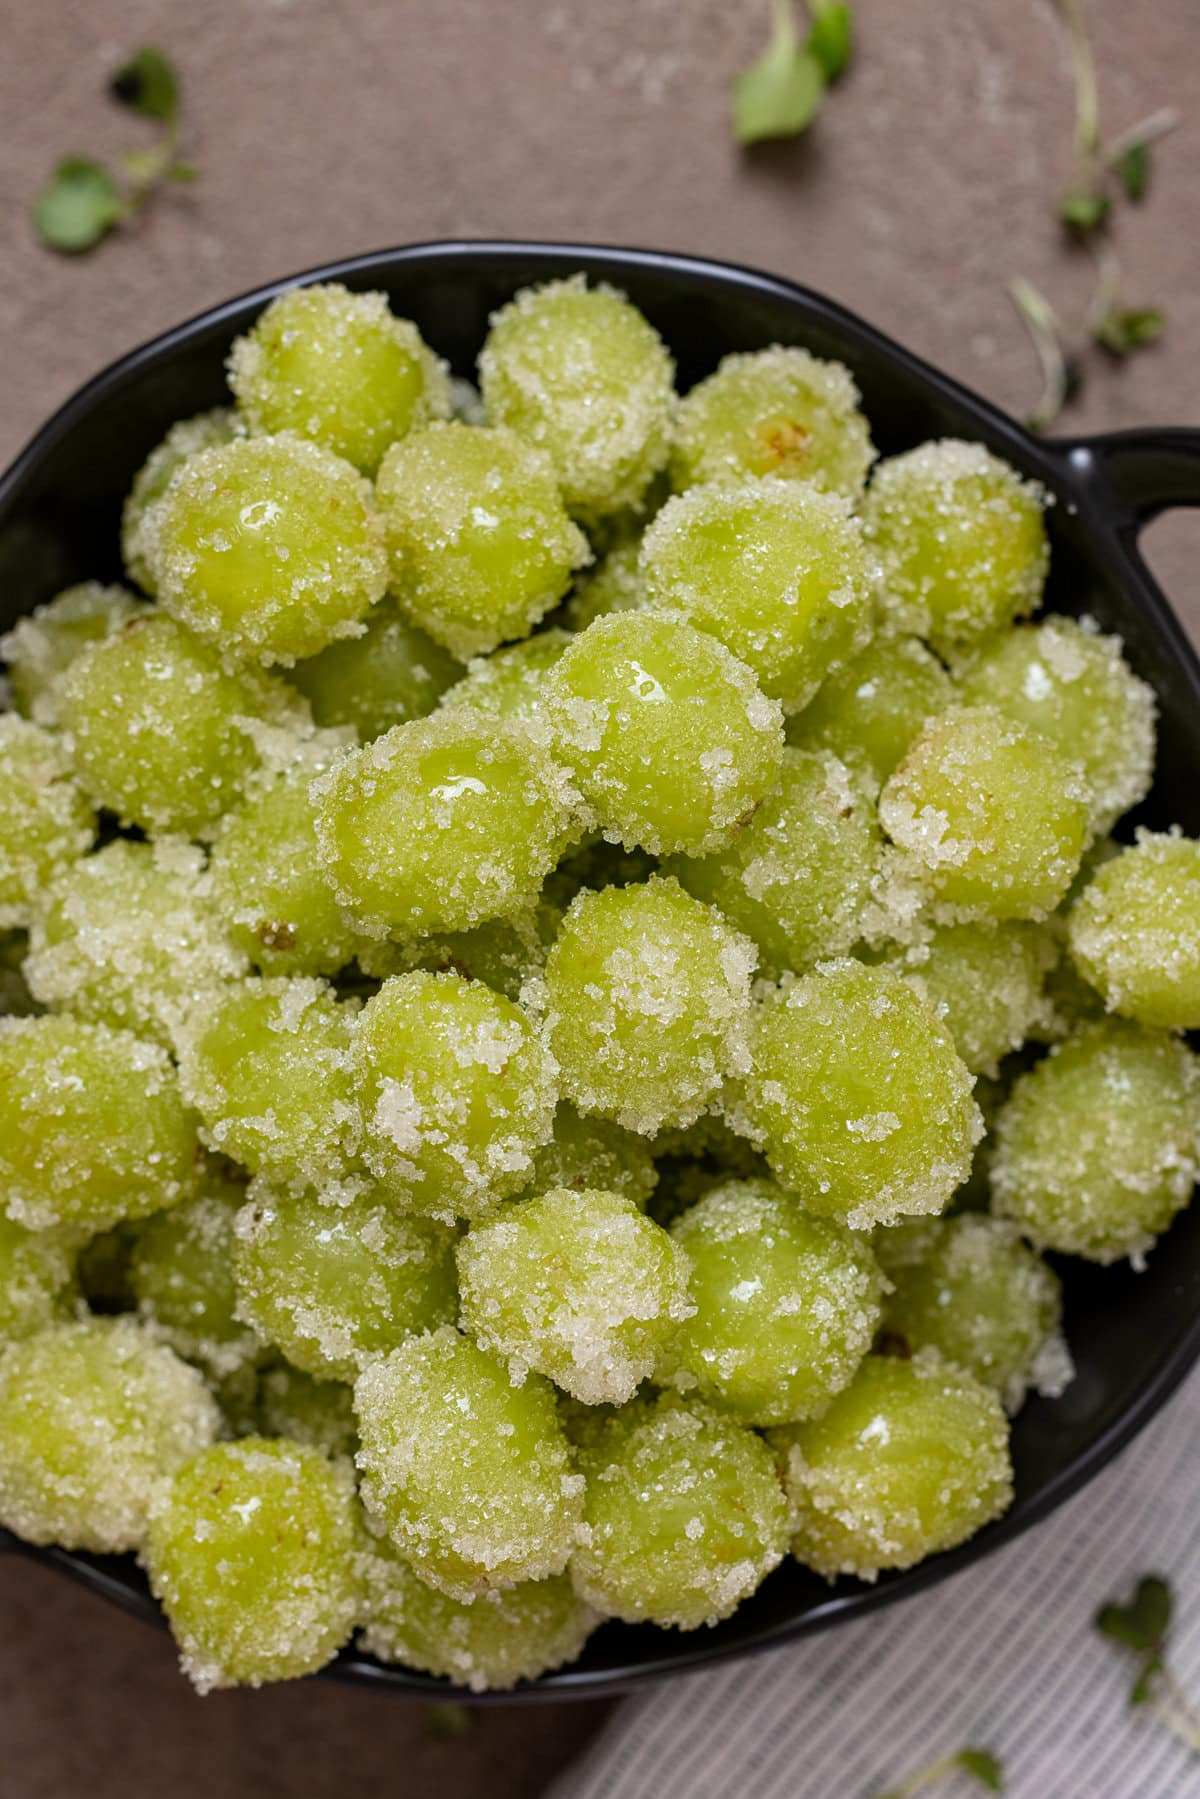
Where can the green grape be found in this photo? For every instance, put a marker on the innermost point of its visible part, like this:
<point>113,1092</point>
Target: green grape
<point>776,570</point>
<point>317,1412</point>
<point>612,585</point>
<point>93,1128</point>
<point>786,1305</point>
<point>987,983</point>
<point>578,1286</point>
<point>797,877</point>
<point>594,1152</point>
<point>648,1000</point>
<point>253,1554</point>
<point>505,953</point>
<point>184,439</point>
<point>985,1301</point>
<point>869,713</point>
<point>334,1287</point>
<point>510,684</point>
<point>456,1090</point>
<point>781,412</point>
<point>1096,1149</point>
<point>961,542</point>
<point>338,368</point>
<point>469,1475</point>
<point>41,647</point>
<point>1134,933</point>
<point>582,375</point>
<point>159,733</point>
<point>860,1098</point>
<point>667,734</point>
<point>685,1515</point>
<point>480,546</point>
<point>487,1646</point>
<point>181,1278</point>
<point>102,1264</point>
<point>37,1279</point>
<point>910,1459</point>
<point>130,935</point>
<point>391,674</point>
<point>988,815</point>
<point>266,1063</point>
<point>94,1417</point>
<point>268,548</point>
<point>46,823</point>
<point>1064,679</point>
<point>16,1001</point>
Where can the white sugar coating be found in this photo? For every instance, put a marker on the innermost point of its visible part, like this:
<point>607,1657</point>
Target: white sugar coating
<point>45,821</point>
<point>488,1646</point>
<point>504,953</point>
<point>269,548</point>
<point>961,543</point>
<point>184,439</point>
<point>684,1515</point>
<point>580,373</point>
<point>37,1278</point>
<point>318,1412</point>
<point>129,935</point>
<point>456,1090</point>
<point>858,1096</point>
<point>578,1286</point>
<point>594,1152</point>
<point>479,544</point>
<point>612,585</point>
<point>511,682</point>
<point>94,1417</point>
<point>779,411</point>
<point>1134,932</point>
<point>441,824</point>
<point>1098,1146</point>
<point>1064,678</point>
<point>466,401</point>
<point>469,1475</point>
<point>648,1002</point>
<point>869,713</point>
<point>40,647</point>
<point>93,1127</point>
<point>987,982</point>
<point>253,1552</point>
<point>180,1273</point>
<point>777,570</point>
<point>669,736</point>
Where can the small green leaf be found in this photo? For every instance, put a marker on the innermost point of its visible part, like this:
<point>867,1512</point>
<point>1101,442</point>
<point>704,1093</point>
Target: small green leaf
<point>1143,1623</point>
<point>77,207</point>
<point>148,84</point>
<point>181,171</point>
<point>1123,331</point>
<point>987,1768</point>
<point>1133,171</point>
<point>1083,212</point>
<point>446,1723</point>
<point>779,95</point>
<point>831,36</point>
<point>1143,1688</point>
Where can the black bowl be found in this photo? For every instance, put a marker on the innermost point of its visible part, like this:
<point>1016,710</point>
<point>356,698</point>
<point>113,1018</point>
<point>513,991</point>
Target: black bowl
<point>1134,1336</point>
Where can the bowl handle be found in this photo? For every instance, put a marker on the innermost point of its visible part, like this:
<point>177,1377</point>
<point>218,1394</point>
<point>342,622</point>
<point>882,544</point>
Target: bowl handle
<point>1145,472</point>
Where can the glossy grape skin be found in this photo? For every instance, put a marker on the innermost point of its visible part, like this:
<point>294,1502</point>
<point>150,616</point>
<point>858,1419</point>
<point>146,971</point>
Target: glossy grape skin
<point>860,1098</point>
<point>648,1000</point>
<point>46,823</point>
<point>910,1459</point>
<point>1096,1148</point>
<point>456,1092</point>
<point>870,712</point>
<point>684,1512</point>
<point>252,1553</point>
<point>93,1128</point>
<point>42,646</point>
<point>93,1418</point>
<point>390,674</point>
<point>320,1413</point>
<point>611,585</point>
<point>479,544</point>
<point>203,432</point>
<point>961,543</point>
<point>37,1279</point>
<point>776,570</point>
<point>594,1152</point>
<point>268,548</point>
<point>987,984</point>
<point>469,1475</point>
<point>511,682</point>
<point>339,368</point>
<point>579,373</point>
<point>181,1277</point>
<point>1134,933</point>
<point>667,734</point>
<point>786,1304</point>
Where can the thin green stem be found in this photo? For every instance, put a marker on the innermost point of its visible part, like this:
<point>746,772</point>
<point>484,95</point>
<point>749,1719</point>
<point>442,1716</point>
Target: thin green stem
<point>941,1769</point>
<point>1155,125</point>
<point>1175,1710</point>
<point>1041,322</point>
<point>783,22</point>
<point>1087,99</point>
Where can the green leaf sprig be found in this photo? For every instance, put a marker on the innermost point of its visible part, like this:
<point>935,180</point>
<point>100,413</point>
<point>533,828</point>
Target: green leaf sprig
<point>780,94</point>
<point>981,1764</point>
<point>1142,1627</point>
<point>1102,170</point>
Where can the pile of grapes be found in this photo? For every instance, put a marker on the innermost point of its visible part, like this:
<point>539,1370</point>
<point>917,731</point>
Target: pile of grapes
<point>565,961</point>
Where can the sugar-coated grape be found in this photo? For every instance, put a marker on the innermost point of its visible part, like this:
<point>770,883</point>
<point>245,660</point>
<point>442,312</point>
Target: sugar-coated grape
<point>392,673</point>
<point>181,1277</point>
<point>1096,1149</point>
<point>869,713</point>
<point>93,1418</point>
<point>911,1458</point>
<point>253,1554</point>
<point>648,997</point>
<point>612,585</point>
<point>268,548</point>
<point>469,1475</point>
<point>203,432</point>
<point>594,1152</point>
<point>861,1100</point>
<point>1135,931</point>
<point>39,648</point>
<point>339,368</point>
<point>669,736</point>
<point>45,822</point>
<point>510,684</point>
<point>579,372</point>
<point>987,983</point>
<point>37,1278</point>
<point>479,544</point>
<point>684,1515</point>
<point>318,1412</point>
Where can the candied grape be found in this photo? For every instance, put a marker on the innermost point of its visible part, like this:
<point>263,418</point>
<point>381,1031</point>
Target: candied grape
<point>317,1412</point>
<point>39,648</point>
<point>469,1475</point>
<point>986,982</point>
<point>203,432</point>
<point>510,684</point>
<point>253,1554</point>
<point>392,673</point>
<point>1134,933</point>
<point>37,1279</point>
<point>869,713</point>
<point>479,543</point>
<point>339,368</point>
<point>579,372</point>
<point>45,822</point>
<point>668,735</point>
<point>594,1152</point>
<point>181,1278</point>
<point>612,585</point>
<point>93,1418</point>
